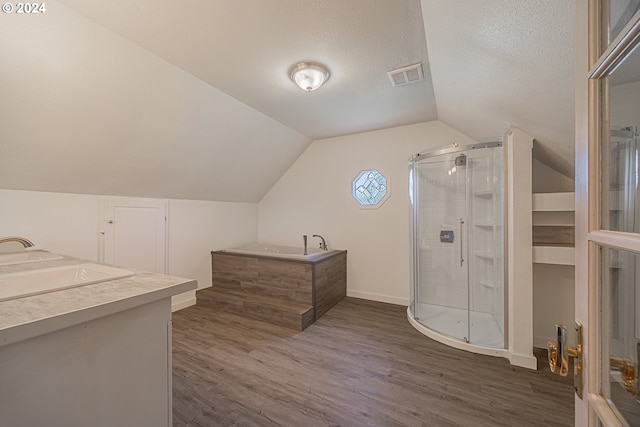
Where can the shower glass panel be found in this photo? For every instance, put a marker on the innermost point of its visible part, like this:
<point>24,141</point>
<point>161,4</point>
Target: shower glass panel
<point>620,350</point>
<point>443,293</point>
<point>458,243</point>
<point>620,13</point>
<point>620,181</point>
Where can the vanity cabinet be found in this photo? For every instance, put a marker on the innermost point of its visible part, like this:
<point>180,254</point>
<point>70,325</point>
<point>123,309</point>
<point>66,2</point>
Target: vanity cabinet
<point>94,355</point>
<point>111,371</point>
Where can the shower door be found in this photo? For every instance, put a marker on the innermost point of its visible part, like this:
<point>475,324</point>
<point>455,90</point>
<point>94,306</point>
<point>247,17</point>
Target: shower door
<point>458,243</point>
<point>442,291</point>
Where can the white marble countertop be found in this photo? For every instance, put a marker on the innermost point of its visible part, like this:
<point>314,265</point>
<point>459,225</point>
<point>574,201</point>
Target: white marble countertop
<point>27,317</point>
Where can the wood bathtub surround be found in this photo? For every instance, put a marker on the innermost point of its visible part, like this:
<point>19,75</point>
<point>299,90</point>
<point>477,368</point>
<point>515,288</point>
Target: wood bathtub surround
<point>329,283</point>
<point>284,292</point>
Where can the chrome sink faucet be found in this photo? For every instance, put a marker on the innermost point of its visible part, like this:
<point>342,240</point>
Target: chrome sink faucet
<point>323,244</point>
<point>25,242</point>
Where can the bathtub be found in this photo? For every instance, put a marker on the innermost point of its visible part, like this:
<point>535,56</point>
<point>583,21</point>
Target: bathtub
<point>276,284</point>
<point>277,251</point>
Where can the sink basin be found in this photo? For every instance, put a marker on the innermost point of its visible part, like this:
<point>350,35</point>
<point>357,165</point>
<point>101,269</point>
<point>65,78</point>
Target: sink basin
<point>44,280</point>
<point>26,256</point>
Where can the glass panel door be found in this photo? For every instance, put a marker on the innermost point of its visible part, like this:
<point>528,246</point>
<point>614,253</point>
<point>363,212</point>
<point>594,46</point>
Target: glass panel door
<point>613,234</point>
<point>621,183</point>
<point>442,294</point>
<point>619,275</point>
<point>620,13</point>
<point>620,349</point>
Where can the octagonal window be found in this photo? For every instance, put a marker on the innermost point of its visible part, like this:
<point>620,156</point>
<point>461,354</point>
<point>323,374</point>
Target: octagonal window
<point>370,188</point>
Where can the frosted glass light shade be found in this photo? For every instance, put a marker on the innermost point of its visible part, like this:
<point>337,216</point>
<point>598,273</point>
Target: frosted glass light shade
<point>308,75</point>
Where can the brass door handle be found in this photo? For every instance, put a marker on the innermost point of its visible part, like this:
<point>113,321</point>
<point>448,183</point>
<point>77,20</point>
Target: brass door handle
<point>559,354</point>
<point>629,370</point>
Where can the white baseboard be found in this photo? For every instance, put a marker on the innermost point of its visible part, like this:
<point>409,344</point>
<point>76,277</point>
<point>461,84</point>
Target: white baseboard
<point>541,342</point>
<point>523,360</point>
<point>187,299</point>
<point>180,303</point>
<point>378,297</point>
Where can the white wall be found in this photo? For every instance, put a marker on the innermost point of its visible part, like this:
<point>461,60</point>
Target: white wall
<point>547,180</point>
<point>59,222</point>
<point>314,197</point>
<point>553,300</point>
<point>68,224</point>
<point>197,227</point>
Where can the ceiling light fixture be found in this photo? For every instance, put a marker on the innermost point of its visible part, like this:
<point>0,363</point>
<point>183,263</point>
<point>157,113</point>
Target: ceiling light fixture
<point>309,75</point>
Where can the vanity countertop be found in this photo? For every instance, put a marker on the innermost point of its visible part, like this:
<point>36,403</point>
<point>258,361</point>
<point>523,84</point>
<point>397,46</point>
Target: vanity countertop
<point>31,316</point>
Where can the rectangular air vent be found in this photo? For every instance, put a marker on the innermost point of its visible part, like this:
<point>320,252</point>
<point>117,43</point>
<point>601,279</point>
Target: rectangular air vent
<point>406,75</point>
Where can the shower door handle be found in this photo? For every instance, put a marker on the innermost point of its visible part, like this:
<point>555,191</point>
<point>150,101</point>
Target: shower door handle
<point>460,238</point>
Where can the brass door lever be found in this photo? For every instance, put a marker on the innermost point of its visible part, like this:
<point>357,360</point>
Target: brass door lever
<point>629,371</point>
<point>559,354</point>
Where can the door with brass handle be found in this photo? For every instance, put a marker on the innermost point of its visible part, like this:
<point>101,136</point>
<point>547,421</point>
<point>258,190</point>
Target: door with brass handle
<point>559,354</point>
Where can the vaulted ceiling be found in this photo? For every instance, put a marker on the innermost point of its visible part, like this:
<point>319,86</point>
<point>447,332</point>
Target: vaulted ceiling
<point>192,99</point>
<point>501,63</point>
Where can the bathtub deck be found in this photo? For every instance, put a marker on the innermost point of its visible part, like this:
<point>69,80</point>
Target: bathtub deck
<point>272,310</point>
<point>290,293</point>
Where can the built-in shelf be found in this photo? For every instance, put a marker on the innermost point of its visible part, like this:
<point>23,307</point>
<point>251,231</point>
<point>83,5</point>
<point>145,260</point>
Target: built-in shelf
<point>484,254</point>
<point>553,228</point>
<point>484,224</point>
<point>488,283</point>
<point>549,202</point>
<point>558,255</point>
<point>553,235</point>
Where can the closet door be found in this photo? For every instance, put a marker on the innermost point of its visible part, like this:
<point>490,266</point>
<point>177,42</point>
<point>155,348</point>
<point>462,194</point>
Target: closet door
<point>135,233</point>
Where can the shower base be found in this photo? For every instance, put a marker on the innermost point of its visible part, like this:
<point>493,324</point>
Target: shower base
<point>453,322</point>
<point>449,325</point>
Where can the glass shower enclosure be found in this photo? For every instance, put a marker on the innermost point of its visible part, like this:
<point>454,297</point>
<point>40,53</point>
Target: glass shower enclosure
<point>457,229</point>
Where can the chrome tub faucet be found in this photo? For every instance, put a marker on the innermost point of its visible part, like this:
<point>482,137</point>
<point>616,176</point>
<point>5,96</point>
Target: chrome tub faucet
<point>24,242</point>
<point>323,244</point>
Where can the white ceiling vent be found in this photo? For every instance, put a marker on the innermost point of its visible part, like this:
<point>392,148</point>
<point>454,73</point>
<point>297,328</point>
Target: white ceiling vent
<point>406,75</point>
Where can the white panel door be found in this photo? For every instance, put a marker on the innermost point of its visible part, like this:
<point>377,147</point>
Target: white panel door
<point>135,233</point>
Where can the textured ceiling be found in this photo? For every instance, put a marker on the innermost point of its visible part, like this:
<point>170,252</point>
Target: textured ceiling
<point>497,63</point>
<point>494,63</point>
<point>246,47</point>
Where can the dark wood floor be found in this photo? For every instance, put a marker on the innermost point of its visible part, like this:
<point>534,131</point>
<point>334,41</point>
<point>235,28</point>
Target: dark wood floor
<point>361,364</point>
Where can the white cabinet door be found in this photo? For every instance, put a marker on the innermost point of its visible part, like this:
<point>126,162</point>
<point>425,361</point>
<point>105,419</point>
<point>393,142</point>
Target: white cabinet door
<point>135,233</point>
